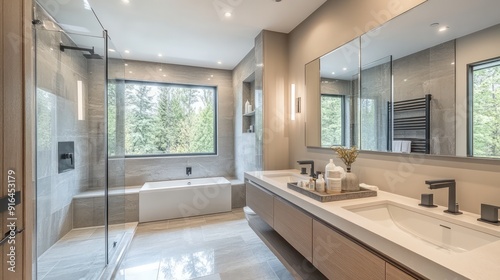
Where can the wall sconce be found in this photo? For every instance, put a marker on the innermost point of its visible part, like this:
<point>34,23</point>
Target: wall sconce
<point>292,102</point>
<point>79,88</point>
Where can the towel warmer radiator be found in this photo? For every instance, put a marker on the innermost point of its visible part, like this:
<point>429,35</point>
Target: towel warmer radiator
<point>399,121</point>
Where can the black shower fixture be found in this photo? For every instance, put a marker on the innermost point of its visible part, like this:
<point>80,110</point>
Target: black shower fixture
<point>90,55</point>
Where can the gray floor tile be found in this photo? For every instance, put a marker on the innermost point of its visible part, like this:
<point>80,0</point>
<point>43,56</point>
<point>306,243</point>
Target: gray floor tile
<point>212,247</point>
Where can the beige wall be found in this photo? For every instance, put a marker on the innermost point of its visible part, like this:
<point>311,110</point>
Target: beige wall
<point>472,48</point>
<point>275,101</point>
<point>335,23</point>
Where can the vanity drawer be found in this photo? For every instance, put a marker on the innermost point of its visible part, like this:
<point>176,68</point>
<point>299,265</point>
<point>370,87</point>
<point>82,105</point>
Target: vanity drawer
<point>339,258</point>
<point>294,226</point>
<point>394,273</point>
<point>260,201</point>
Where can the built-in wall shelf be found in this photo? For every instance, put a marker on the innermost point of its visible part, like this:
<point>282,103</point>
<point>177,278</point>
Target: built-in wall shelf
<point>251,114</point>
<point>248,94</point>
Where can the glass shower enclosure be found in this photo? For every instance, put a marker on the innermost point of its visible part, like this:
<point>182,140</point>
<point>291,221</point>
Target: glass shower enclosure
<point>80,167</point>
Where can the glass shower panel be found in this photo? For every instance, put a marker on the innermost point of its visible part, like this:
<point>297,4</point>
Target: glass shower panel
<point>116,152</point>
<point>70,211</point>
<point>71,179</point>
<point>375,95</point>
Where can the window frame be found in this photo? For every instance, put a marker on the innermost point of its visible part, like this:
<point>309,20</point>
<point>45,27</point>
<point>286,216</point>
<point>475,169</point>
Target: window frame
<point>342,114</point>
<point>494,62</point>
<point>216,118</point>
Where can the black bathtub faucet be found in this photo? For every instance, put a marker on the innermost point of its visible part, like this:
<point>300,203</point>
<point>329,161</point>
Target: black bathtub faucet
<point>188,170</point>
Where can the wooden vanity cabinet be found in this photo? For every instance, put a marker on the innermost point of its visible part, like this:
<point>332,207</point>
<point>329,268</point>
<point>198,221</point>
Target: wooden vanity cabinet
<point>394,273</point>
<point>335,255</point>
<point>339,258</point>
<point>261,202</point>
<point>294,226</point>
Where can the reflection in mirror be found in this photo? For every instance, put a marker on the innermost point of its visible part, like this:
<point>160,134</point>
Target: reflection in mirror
<point>375,95</point>
<point>332,94</point>
<point>435,49</point>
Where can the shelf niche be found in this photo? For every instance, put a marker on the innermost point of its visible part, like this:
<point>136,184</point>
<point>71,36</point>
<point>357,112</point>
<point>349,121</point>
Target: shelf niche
<point>248,94</point>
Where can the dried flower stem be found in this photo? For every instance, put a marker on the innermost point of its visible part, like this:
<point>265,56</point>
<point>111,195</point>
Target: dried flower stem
<point>347,155</point>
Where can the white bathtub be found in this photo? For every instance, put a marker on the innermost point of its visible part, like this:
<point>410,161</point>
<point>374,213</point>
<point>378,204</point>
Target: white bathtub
<point>183,198</point>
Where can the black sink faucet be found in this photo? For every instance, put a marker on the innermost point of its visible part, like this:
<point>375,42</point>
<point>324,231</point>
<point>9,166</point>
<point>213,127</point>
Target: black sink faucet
<point>311,162</point>
<point>452,194</point>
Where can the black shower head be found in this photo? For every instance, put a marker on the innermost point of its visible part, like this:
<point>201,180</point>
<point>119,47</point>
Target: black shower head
<point>91,54</point>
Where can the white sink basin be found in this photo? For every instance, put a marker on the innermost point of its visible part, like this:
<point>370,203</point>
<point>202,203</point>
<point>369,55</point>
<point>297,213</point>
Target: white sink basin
<point>287,177</point>
<point>428,227</point>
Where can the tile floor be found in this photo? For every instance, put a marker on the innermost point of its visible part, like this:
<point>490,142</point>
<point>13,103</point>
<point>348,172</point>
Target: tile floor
<point>79,254</point>
<point>212,247</point>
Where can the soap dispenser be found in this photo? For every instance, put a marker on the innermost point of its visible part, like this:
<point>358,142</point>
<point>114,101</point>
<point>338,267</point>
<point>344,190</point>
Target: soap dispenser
<point>329,167</point>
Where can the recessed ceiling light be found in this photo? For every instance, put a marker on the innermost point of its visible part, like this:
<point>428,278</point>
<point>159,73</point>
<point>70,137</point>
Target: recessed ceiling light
<point>345,69</point>
<point>127,51</point>
<point>164,75</point>
<point>444,28</point>
<point>160,55</point>
<point>126,64</point>
<point>211,76</point>
<point>130,72</point>
<point>453,63</point>
<point>86,5</point>
<point>228,14</point>
<point>126,1</point>
<point>208,79</point>
<point>219,62</point>
<point>51,49</point>
<point>111,50</point>
<point>405,80</point>
<point>160,69</point>
<point>333,73</point>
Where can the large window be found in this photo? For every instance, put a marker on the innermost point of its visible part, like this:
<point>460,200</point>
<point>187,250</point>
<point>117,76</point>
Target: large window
<point>169,119</point>
<point>484,117</point>
<point>332,120</point>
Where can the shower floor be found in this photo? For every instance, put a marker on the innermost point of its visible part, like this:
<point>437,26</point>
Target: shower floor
<point>80,253</point>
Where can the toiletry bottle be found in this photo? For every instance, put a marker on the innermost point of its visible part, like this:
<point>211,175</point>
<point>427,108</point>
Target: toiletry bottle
<point>312,184</point>
<point>320,184</point>
<point>328,168</point>
<point>247,104</point>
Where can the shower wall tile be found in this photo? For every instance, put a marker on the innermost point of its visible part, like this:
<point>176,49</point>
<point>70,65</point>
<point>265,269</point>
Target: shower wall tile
<point>431,71</point>
<point>57,111</point>
<point>244,143</point>
<point>238,196</point>
<point>83,214</point>
<point>116,211</point>
<point>132,207</point>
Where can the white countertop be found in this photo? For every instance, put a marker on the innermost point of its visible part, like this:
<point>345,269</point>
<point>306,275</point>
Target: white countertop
<point>431,262</point>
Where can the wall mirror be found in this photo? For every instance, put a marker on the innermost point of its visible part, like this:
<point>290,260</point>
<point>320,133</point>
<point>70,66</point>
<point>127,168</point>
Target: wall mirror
<point>332,98</point>
<point>430,81</point>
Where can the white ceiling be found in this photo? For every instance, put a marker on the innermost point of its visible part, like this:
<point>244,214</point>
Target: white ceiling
<point>196,32</point>
<point>411,32</point>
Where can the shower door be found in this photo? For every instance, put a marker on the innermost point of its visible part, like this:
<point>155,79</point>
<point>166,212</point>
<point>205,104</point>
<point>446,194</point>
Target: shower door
<point>80,202</point>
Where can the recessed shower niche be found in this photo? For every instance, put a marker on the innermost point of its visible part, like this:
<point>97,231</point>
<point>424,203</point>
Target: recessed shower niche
<point>248,109</point>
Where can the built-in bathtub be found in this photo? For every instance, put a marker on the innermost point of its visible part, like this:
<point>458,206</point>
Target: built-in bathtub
<point>183,198</point>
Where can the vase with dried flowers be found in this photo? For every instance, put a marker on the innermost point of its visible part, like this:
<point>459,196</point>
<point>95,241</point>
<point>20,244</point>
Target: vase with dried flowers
<point>350,181</point>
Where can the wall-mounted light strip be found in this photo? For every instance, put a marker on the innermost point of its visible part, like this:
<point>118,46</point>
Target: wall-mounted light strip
<point>292,102</point>
<point>79,88</point>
